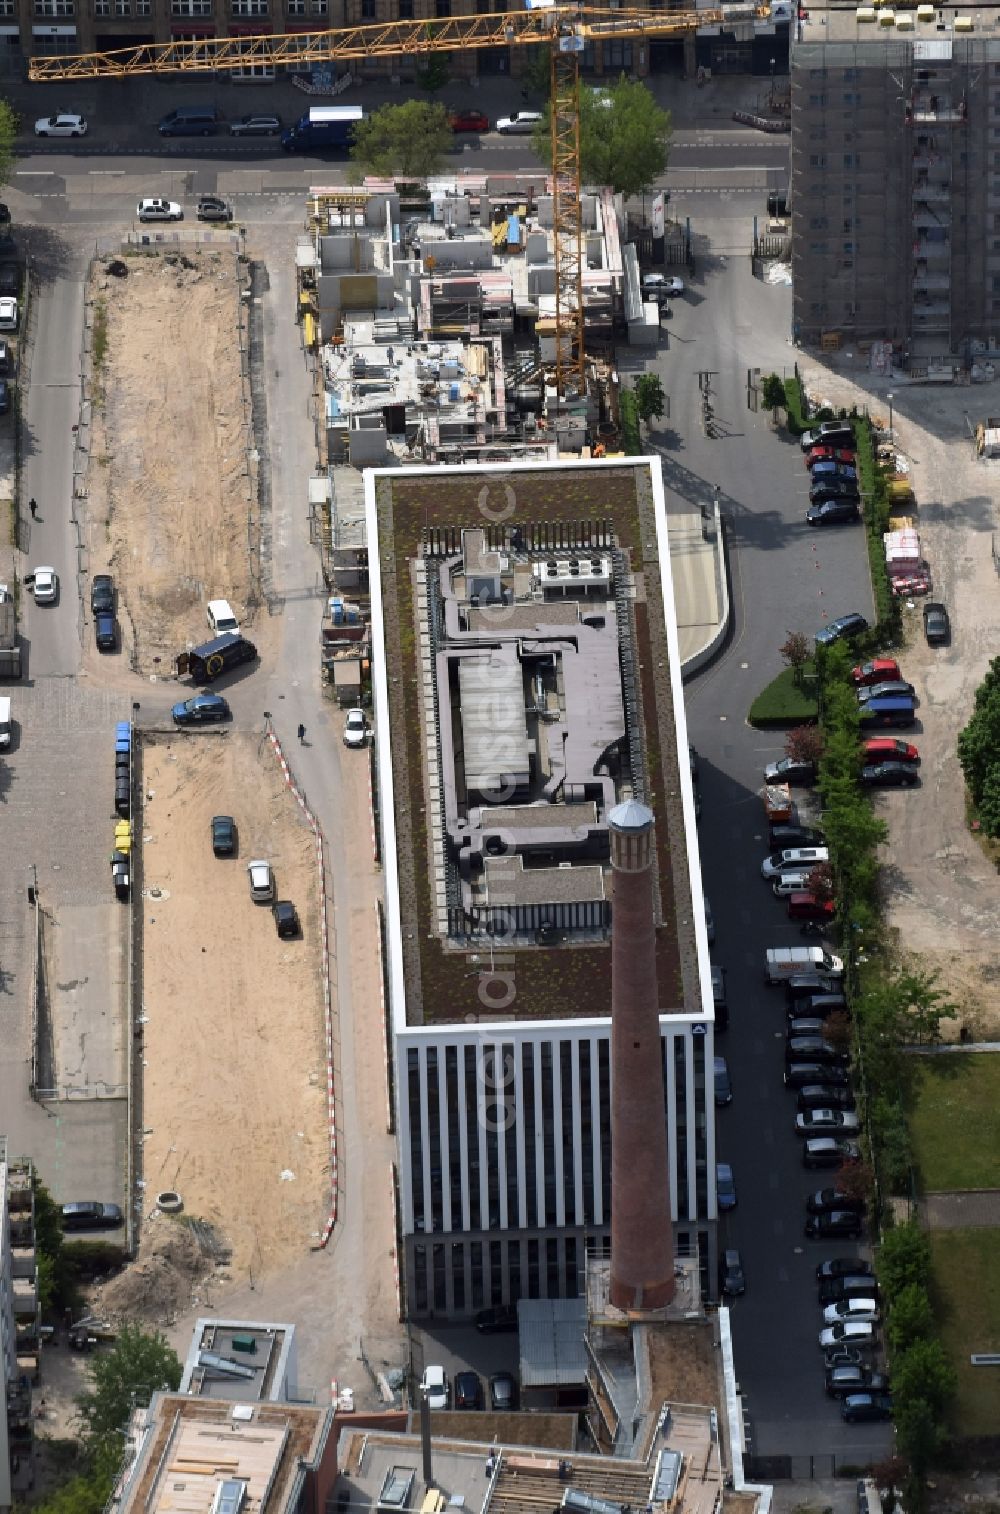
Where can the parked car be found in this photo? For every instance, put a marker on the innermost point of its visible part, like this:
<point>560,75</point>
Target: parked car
<point>44,585</point>
<point>790,770</point>
<point>817,1007</point>
<point>831,469</point>
<point>723,1085</point>
<point>503,1392</point>
<point>824,1151</point>
<point>10,278</point>
<point>834,1224</point>
<point>261,881</point>
<point>830,455</point>
<point>355,728</point>
<point>793,859</point>
<point>434,1384</point>
<point>661,286</point>
<point>843,1266</point>
<point>725,1186</point>
<point>887,688</point>
<point>843,628</point>
<point>213,208</point>
<point>801,1074</point>
<point>848,1333</point>
<point>468,1390</point>
<point>154,209</point>
<point>9,314</point>
<point>732,1278</point>
<point>877,713</point>
<point>889,749</point>
<point>808,906</point>
<point>255,126</point>
<point>878,670</point>
<point>102,593</point>
<point>89,1215</point>
<point>823,1096</point>
<point>522,123</point>
<point>826,1200</point>
<point>720,1002</point>
<point>61,125</point>
<point>468,120</point>
<point>937,627</point>
<point>501,1320</point>
<point>813,1049</point>
<point>804,1025</point>
<point>833,488</point>
<point>827,1121</point>
<point>845,1356</point>
<point>200,709</point>
<point>810,986</point>
<point>709,921</point>
<point>864,1408</point>
<point>865,1308</point>
<point>286,919</point>
<point>223,835</point>
<point>785,885</point>
<point>833,512</point>
<point>833,1290</point>
<point>105,631</point>
<point>829,434</point>
<point>883,775</point>
<point>784,836</point>
<point>843,1380</point>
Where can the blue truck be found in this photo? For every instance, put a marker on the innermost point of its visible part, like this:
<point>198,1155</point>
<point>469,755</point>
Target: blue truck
<point>323,126</point>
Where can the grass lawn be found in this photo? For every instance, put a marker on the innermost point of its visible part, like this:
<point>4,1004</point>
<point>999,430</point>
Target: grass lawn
<point>967,1299</point>
<point>954,1119</point>
<point>783,702</point>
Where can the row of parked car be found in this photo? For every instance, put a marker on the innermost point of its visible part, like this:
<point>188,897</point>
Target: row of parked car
<point>834,491</point>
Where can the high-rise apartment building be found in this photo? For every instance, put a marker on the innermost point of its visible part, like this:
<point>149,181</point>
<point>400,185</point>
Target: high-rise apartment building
<point>896,180</point>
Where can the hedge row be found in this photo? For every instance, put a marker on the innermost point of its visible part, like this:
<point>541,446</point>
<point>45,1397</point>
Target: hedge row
<point>628,416</point>
<point>874,489</point>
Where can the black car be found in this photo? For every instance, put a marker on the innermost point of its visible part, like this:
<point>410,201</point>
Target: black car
<point>224,835</point>
<point>833,1290</point>
<point>91,1216</point>
<point>888,688</point>
<point>865,1408</point>
<point>822,1096</point>
<point>937,627</point>
<point>499,1321</point>
<point>286,923</point>
<point>813,1049</point>
<point>468,1390</point>
<point>503,1392</point>
<point>833,512</point>
<point>102,594</point>
<point>843,1266</point>
<point>833,488</point>
<point>803,986</point>
<point>854,1379</point>
<point>784,837</point>
<point>842,628</point>
<point>817,1007</point>
<point>826,1200</point>
<point>4,396</point>
<point>836,1224</point>
<point>799,1074</point>
<point>825,1151</point>
<point>723,1084</point>
<point>843,1356</point>
<point>732,1279</point>
<point>10,278</point>
<point>213,208</point>
<point>884,775</point>
<point>719,999</point>
<point>199,709</point>
<point>799,1025</point>
<point>105,631</point>
<point>790,770</point>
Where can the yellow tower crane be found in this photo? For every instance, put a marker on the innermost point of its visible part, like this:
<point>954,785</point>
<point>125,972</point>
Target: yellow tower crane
<point>565,29</point>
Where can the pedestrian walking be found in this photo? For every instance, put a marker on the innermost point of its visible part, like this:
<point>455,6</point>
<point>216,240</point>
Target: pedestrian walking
<point>302,734</point>
<point>33,507</point>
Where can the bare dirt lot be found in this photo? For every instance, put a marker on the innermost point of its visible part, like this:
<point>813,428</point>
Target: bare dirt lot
<point>942,893</point>
<point>234,1060</point>
<point>169,491</point>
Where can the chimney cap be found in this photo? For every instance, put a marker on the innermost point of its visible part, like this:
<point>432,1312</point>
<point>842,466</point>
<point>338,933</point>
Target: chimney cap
<point>630,816</point>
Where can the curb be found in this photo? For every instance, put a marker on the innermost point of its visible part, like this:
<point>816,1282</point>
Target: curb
<point>704,656</point>
<point>331,1097</point>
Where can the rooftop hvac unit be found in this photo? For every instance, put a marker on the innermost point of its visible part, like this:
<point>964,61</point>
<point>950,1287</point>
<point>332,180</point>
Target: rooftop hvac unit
<point>585,568</point>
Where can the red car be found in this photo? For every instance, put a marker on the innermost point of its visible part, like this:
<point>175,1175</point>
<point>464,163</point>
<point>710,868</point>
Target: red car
<point>880,670</point>
<point>469,120</point>
<point>805,906</point>
<point>889,749</point>
<point>829,455</point>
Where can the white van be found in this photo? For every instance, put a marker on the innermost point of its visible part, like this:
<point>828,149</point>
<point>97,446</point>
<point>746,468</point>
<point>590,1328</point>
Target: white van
<point>6,729</point>
<point>221,617</point>
<point>782,962</point>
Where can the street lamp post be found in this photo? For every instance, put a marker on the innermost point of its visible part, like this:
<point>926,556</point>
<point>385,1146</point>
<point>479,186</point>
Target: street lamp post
<point>889,397</point>
<point>771,101</point>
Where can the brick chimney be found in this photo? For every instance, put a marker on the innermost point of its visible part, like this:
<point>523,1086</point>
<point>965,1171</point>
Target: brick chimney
<point>642,1250</point>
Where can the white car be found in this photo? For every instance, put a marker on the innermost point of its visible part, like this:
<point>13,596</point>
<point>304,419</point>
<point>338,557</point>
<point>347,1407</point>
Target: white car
<point>159,210</point>
<point>435,1384</point>
<point>793,859</point>
<point>45,585</point>
<point>662,285</point>
<point>521,124</point>
<point>9,316</point>
<point>261,881</point>
<point>61,125</point>
<point>822,1122</point>
<point>864,1310</point>
<point>848,1333</point>
<point>355,728</point>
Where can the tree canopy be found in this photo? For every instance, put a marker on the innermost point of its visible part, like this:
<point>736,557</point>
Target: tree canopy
<point>137,1366</point>
<point>979,750</point>
<point>649,397</point>
<point>407,141</point>
<point>8,132</point>
<point>624,137</point>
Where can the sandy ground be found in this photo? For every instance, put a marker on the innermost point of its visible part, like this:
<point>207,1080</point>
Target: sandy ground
<point>942,894</point>
<point>168,484</point>
<point>234,1059</point>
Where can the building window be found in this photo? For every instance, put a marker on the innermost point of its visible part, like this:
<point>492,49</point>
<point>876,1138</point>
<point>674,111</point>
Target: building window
<point>101,8</point>
<point>434,1145</point>
<point>250,7</point>
<point>416,1144</point>
<point>296,7</point>
<point>144,7</point>
<point>476,1271</point>
<point>852,160</point>
<point>618,55</point>
<point>458,1275</point>
<point>368,10</point>
<point>507,1108</point>
<point>454,1141</point>
<point>569,1136</point>
<point>848,223</point>
<point>548,1136</point>
<point>572,1269</point>
<point>819,100</point>
<point>530,1189</point>
<point>604,1125</point>
<point>123,7</point>
<point>817,160</point>
<point>440,1278</point>
<point>190,7</point>
<point>406,10</point>
<point>319,7</point>
<point>817,223</point>
<point>818,248</point>
<point>488,1075</point>
<point>55,8</point>
<point>472,1135</point>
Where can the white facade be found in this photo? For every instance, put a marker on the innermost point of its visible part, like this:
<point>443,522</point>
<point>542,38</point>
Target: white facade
<point>504,1128</point>
<point>8,1338</point>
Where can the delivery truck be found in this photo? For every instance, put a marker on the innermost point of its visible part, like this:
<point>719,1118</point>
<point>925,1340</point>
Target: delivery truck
<point>10,641</point>
<point>202,664</point>
<point>323,126</point>
<point>786,961</point>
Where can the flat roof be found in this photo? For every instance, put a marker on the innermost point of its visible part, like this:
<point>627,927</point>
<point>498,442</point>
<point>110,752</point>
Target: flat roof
<point>929,39</point>
<point>591,536</point>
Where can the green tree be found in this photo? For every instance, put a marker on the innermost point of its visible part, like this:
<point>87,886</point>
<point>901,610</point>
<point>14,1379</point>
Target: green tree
<point>8,132</point>
<point>536,75</point>
<point>918,1435</point>
<point>772,393</point>
<point>989,802</point>
<point>56,1284</point>
<point>138,1364</point>
<point>890,1137</point>
<point>649,397</point>
<point>904,1259</point>
<point>795,651</point>
<point>434,74</point>
<point>924,1371</point>
<point>407,141</point>
<point>979,742</point>
<point>86,1491</point>
<point>624,137</point>
<point>910,1318</point>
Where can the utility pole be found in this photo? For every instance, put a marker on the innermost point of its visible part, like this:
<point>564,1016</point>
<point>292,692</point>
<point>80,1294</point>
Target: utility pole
<point>705,377</point>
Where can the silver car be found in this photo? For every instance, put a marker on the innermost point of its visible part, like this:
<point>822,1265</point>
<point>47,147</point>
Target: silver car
<point>159,210</point>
